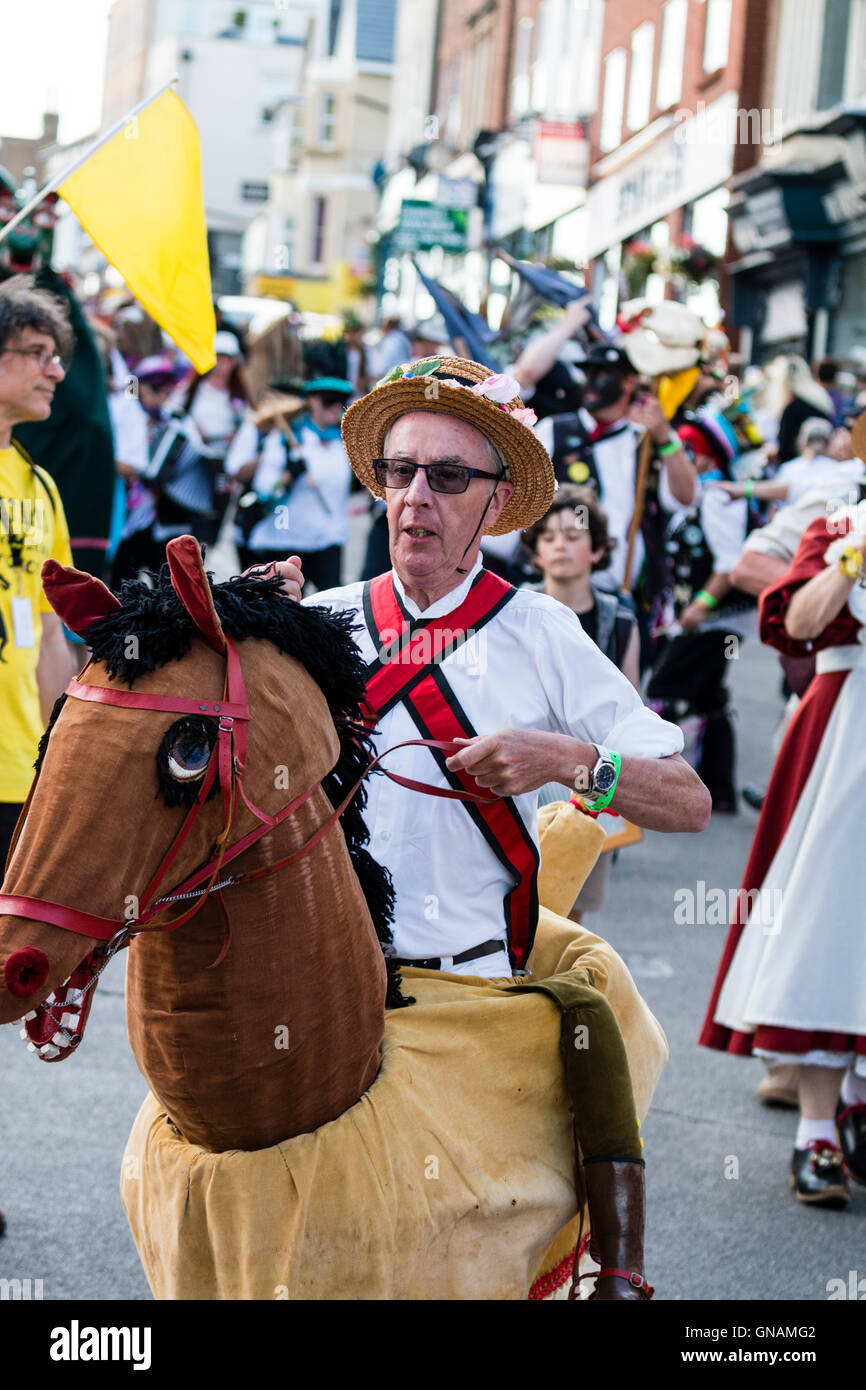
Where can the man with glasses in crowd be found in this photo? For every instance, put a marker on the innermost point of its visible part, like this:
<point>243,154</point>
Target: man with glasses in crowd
<point>451,450</point>
<point>35,662</point>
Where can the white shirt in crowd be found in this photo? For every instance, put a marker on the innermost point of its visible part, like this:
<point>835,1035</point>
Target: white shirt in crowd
<point>616,458</point>
<point>724,521</point>
<point>531,667</point>
<point>315,513</point>
<point>804,474</point>
<point>215,414</point>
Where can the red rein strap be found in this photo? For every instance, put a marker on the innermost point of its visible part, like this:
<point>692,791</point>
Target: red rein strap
<point>226,761</point>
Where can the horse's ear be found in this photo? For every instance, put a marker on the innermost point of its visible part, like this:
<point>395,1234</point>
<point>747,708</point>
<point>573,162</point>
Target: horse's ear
<point>78,599</point>
<point>189,582</point>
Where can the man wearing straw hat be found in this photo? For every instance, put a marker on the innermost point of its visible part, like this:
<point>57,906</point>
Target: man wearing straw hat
<point>507,680</point>
<point>454,653</point>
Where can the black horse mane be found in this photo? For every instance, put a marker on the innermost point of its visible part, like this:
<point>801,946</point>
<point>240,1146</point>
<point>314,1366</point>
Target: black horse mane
<point>320,640</point>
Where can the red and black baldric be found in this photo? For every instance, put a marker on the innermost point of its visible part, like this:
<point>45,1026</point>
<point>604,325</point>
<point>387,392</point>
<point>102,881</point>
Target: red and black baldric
<point>408,670</point>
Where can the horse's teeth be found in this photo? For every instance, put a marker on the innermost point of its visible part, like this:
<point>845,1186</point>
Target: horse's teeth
<point>62,1039</point>
<point>23,1032</point>
<point>74,996</point>
<point>49,1051</point>
<point>31,1047</point>
<point>32,1014</point>
<point>69,1021</point>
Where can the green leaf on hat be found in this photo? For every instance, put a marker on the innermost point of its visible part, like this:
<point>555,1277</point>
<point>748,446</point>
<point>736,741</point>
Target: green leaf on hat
<point>394,375</point>
<point>427,368</point>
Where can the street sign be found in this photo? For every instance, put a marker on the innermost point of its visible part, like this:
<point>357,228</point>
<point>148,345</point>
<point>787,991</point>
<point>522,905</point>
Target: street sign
<point>422,226</point>
<point>457,193</point>
<point>562,152</point>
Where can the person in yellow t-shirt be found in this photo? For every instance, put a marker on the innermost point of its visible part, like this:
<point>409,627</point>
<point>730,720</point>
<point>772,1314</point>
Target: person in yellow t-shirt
<point>35,662</point>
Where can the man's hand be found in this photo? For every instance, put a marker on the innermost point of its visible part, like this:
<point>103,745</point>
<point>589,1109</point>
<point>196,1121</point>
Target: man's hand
<point>691,617</point>
<point>647,411</point>
<point>511,761</point>
<point>576,315</point>
<point>288,570</point>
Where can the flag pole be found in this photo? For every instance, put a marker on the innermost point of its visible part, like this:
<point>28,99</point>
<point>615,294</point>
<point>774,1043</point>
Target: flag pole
<point>55,182</point>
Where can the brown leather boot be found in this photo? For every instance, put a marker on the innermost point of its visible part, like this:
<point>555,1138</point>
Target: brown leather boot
<point>615,1197</point>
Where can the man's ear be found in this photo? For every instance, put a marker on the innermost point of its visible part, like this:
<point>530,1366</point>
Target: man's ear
<point>501,496</point>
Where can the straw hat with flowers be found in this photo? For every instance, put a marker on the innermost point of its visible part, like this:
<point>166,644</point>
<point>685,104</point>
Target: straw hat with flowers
<point>457,386</point>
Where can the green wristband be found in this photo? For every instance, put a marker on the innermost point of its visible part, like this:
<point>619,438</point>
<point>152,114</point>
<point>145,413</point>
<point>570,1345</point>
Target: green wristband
<point>673,446</point>
<point>748,488</point>
<point>606,797</point>
<point>706,599</point>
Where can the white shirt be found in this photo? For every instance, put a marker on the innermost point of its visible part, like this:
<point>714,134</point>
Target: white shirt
<point>315,513</point>
<point>616,457</point>
<point>804,474</point>
<point>531,667</point>
<point>215,415</point>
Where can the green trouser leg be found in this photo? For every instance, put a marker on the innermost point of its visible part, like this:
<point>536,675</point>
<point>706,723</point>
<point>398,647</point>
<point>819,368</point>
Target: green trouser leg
<point>599,1088</point>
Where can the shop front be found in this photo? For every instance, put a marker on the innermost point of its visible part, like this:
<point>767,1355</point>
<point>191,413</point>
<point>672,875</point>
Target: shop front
<point>798,226</point>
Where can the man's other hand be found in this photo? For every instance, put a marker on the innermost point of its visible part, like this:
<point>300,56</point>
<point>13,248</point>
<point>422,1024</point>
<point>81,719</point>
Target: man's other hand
<point>289,571</point>
<point>510,762</point>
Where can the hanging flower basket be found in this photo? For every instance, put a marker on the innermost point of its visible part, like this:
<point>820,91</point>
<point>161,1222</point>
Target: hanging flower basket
<point>638,263</point>
<point>693,261</point>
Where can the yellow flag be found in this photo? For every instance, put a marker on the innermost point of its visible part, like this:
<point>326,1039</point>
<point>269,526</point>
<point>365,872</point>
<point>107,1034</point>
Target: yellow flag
<point>139,197</point>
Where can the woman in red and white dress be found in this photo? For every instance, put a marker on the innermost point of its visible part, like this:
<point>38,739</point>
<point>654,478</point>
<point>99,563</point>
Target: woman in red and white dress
<point>791,985</point>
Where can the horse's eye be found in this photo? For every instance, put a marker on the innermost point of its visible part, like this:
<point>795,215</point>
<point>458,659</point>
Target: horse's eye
<point>188,749</point>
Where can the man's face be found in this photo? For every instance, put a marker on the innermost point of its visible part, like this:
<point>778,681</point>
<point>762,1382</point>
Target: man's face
<point>608,390</point>
<point>429,531</point>
<point>26,388</point>
<point>154,393</point>
<point>326,409</point>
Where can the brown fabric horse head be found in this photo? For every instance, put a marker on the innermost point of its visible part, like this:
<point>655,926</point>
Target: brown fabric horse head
<point>261,1016</point>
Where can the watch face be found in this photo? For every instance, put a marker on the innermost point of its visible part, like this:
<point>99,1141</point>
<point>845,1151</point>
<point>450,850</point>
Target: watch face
<point>603,778</point>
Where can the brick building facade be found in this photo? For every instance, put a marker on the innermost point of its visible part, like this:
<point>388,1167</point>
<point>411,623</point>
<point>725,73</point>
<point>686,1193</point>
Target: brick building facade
<point>681,110</point>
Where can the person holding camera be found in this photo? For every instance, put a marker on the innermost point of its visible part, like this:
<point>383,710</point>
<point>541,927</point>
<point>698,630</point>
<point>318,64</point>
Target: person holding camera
<point>298,476</point>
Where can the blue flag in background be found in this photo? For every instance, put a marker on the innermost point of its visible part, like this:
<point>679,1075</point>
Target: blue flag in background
<point>462,323</point>
<point>549,283</point>
<point>554,287</point>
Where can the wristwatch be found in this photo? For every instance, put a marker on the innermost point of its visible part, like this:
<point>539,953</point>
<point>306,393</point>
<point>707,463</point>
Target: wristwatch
<point>603,778</point>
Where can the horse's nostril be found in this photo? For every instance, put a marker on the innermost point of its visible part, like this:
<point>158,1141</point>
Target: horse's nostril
<point>25,972</point>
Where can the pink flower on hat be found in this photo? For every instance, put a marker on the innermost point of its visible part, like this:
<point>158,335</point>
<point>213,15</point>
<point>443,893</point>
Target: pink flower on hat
<point>526,416</point>
<point>499,388</point>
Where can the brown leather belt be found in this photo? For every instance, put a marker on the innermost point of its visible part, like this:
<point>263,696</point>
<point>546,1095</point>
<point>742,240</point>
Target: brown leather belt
<point>488,948</point>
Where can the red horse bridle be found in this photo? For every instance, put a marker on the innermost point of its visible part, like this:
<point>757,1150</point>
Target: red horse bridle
<point>226,763</point>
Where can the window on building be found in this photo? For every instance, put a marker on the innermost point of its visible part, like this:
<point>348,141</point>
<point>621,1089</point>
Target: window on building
<point>717,34</point>
<point>640,81</point>
<point>287,245</point>
<point>540,70</point>
<point>193,19</point>
<point>317,248</point>
<point>520,88</point>
<point>671,55</point>
<point>450,105</point>
<point>327,118</point>
<point>274,89</point>
<point>834,52</point>
<point>333,25</point>
<point>479,75</point>
<point>613,99</point>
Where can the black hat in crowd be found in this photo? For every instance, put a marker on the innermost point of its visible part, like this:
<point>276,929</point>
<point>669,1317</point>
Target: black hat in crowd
<point>607,356</point>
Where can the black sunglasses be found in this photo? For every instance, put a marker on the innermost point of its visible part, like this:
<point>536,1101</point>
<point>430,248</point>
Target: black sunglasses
<point>442,477</point>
